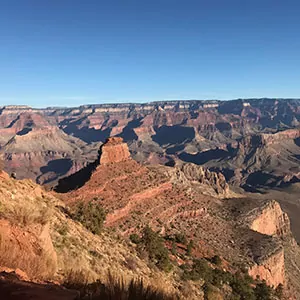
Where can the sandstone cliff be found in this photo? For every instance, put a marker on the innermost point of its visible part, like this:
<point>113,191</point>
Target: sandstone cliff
<point>271,268</point>
<point>270,220</point>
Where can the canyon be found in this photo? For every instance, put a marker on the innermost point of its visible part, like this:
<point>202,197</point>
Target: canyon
<point>203,170</point>
<point>253,142</point>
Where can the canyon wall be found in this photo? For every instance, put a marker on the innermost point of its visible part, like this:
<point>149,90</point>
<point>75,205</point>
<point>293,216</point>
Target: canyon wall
<point>270,220</point>
<point>270,269</point>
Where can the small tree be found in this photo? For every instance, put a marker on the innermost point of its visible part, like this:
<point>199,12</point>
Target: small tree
<point>174,248</point>
<point>262,291</point>
<point>154,245</point>
<point>189,248</point>
<point>279,291</point>
<point>216,260</point>
<point>180,238</point>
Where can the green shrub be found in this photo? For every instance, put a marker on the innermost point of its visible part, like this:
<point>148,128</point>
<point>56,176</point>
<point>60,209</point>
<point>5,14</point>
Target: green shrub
<point>279,291</point>
<point>200,270</point>
<point>216,260</point>
<point>242,288</point>
<point>180,238</point>
<point>91,216</point>
<point>262,291</point>
<point>153,243</point>
<point>134,238</point>
<point>174,248</point>
<point>241,285</point>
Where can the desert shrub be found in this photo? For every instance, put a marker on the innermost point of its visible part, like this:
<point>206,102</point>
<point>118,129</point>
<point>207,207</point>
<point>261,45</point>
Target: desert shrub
<point>134,238</point>
<point>76,279</point>
<point>174,248</point>
<point>91,216</point>
<point>211,293</point>
<point>25,214</point>
<point>199,270</point>
<point>216,260</point>
<point>63,229</point>
<point>279,291</point>
<point>242,288</point>
<point>180,238</point>
<point>153,243</point>
<point>262,291</point>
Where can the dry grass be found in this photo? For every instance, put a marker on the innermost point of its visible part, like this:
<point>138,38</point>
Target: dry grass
<point>38,265</point>
<point>115,288</point>
<point>25,215</point>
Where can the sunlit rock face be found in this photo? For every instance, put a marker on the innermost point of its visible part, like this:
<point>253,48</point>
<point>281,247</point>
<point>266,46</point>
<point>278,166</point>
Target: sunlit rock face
<point>113,151</point>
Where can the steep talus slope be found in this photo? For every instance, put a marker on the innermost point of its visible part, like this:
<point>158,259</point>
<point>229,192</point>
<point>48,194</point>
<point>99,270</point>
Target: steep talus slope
<point>190,200</point>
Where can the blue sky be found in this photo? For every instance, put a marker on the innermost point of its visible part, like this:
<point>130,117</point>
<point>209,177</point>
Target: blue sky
<point>70,52</point>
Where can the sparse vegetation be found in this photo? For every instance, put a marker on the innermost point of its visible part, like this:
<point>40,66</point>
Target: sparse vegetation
<point>243,286</point>
<point>91,216</point>
<point>180,238</point>
<point>115,288</point>
<point>153,244</point>
<point>28,213</point>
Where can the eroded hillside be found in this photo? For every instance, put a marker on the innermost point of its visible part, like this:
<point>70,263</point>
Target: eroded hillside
<point>190,201</point>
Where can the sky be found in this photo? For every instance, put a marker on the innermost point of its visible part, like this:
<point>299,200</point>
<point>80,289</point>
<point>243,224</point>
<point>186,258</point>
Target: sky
<point>71,52</point>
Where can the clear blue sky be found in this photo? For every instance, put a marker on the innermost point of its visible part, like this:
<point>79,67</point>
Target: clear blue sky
<point>70,52</point>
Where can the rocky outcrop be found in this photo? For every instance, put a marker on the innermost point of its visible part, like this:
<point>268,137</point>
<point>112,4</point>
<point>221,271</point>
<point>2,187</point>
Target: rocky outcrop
<point>269,219</point>
<point>281,136</point>
<point>191,173</point>
<point>114,151</point>
<point>29,249</point>
<point>270,269</point>
<point>213,179</point>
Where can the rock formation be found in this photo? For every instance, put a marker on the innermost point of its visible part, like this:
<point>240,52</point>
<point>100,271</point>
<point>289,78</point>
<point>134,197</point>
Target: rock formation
<point>191,173</point>
<point>270,220</point>
<point>271,269</point>
<point>114,150</point>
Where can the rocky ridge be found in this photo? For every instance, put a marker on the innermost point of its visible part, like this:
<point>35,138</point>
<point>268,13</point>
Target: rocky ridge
<point>180,199</point>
